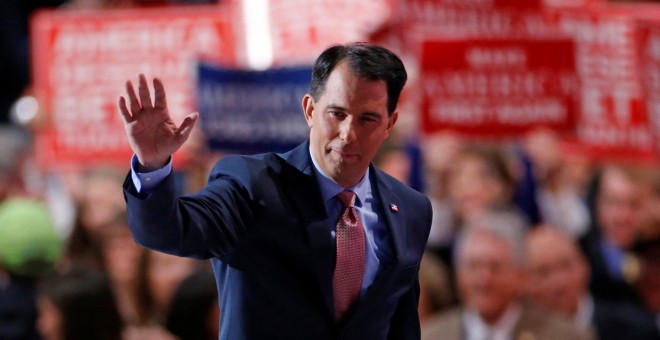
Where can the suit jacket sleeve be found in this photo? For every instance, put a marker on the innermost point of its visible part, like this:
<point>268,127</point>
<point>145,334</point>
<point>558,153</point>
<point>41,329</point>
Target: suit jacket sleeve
<point>207,224</point>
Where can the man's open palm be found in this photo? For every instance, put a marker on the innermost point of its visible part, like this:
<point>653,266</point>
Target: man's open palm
<point>150,129</point>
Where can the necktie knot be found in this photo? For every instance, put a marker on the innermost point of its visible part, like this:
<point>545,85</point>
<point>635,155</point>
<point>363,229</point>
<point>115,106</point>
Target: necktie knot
<point>347,198</point>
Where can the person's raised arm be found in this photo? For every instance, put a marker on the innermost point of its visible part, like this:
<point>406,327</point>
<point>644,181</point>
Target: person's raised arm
<point>151,132</point>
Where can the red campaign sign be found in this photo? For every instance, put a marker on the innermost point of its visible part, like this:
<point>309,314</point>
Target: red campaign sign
<point>417,21</point>
<point>82,59</point>
<point>613,122</point>
<point>510,4</point>
<point>498,88</point>
<point>479,19</point>
<point>301,29</point>
<point>649,53</point>
<point>433,19</point>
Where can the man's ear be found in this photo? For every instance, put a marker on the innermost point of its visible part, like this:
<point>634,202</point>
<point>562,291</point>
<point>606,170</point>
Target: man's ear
<point>308,108</point>
<point>391,121</point>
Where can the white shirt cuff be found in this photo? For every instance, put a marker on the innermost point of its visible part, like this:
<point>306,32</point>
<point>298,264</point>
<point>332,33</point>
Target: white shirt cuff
<point>148,181</point>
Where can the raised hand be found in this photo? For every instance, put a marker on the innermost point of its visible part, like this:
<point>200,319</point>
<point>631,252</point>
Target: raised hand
<point>152,133</point>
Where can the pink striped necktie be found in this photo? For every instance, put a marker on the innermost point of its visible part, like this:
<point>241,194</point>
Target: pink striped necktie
<point>349,267</point>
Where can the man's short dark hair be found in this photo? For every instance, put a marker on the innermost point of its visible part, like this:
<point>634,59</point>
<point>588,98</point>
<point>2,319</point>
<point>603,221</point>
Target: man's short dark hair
<point>365,60</point>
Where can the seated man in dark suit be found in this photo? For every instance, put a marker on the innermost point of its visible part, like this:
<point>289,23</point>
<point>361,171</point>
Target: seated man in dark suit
<point>648,284</point>
<point>315,243</point>
<point>618,201</point>
<point>559,280</point>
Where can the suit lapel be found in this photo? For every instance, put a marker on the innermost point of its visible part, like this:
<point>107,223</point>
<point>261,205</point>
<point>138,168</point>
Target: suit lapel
<point>391,207</point>
<point>302,189</point>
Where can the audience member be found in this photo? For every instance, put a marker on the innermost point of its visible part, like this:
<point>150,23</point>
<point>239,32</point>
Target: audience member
<point>436,169</point>
<point>436,291</point>
<point>479,179</point>
<point>98,204</point>
<point>619,207</point>
<point>491,278</point>
<point>121,256</point>
<point>560,202</point>
<point>559,279</point>
<point>15,144</point>
<point>194,311</point>
<point>394,160</point>
<point>199,160</point>
<point>29,246</point>
<point>648,284</point>
<point>158,276</point>
<point>78,304</point>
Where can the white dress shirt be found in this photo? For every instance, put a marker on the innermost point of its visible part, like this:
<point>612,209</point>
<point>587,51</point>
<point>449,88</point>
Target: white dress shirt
<point>477,329</point>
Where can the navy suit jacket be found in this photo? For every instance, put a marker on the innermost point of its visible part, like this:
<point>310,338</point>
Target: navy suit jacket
<point>262,222</point>
<point>618,320</point>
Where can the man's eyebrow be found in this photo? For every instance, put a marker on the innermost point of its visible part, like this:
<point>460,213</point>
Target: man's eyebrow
<point>336,107</point>
<point>372,113</point>
<point>343,109</point>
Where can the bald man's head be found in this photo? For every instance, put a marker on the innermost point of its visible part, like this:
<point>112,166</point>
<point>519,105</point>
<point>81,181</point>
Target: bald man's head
<point>558,272</point>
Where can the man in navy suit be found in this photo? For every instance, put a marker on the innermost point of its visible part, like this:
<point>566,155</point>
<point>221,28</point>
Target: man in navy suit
<point>274,225</point>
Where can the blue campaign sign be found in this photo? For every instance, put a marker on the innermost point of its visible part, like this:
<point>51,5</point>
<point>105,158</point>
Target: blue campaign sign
<point>252,111</point>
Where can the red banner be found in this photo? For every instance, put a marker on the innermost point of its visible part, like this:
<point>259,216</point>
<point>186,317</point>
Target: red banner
<point>498,88</point>
<point>417,21</point>
<point>475,19</point>
<point>613,122</point>
<point>82,59</point>
<point>301,29</point>
<point>649,52</point>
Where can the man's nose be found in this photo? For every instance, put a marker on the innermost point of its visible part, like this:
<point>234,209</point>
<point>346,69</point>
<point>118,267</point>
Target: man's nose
<point>347,131</point>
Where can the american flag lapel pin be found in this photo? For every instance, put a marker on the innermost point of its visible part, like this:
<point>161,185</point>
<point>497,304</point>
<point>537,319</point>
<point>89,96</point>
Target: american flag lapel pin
<point>394,207</point>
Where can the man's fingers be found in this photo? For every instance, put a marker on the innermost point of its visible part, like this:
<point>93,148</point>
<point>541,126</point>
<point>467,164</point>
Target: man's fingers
<point>135,104</point>
<point>143,90</point>
<point>159,95</point>
<point>125,115</point>
<point>186,126</point>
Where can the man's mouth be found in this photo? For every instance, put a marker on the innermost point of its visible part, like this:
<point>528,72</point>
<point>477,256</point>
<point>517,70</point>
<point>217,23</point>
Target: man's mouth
<point>344,154</point>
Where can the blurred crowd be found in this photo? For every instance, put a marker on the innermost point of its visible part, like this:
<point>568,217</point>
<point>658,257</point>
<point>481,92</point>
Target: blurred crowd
<point>565,246</point>
<point>526,230</point>
<point>69,268</point>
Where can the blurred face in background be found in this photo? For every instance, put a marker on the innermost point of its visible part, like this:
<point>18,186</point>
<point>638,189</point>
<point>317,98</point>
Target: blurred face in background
<point>544,149</point>
<point>121,254</point>
<point>489,277</point>
<point>49,322</point>
<point>474,185</point>
<point>164,274</point>
<point>101,201</point>
<point>620,207</point>
<point>558,272</point>
<point>396,163</point>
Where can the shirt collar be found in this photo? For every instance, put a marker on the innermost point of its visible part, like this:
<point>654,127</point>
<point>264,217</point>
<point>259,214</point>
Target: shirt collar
<point>476,328</point>
<point>330,188</point>
<point>585,312</point>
